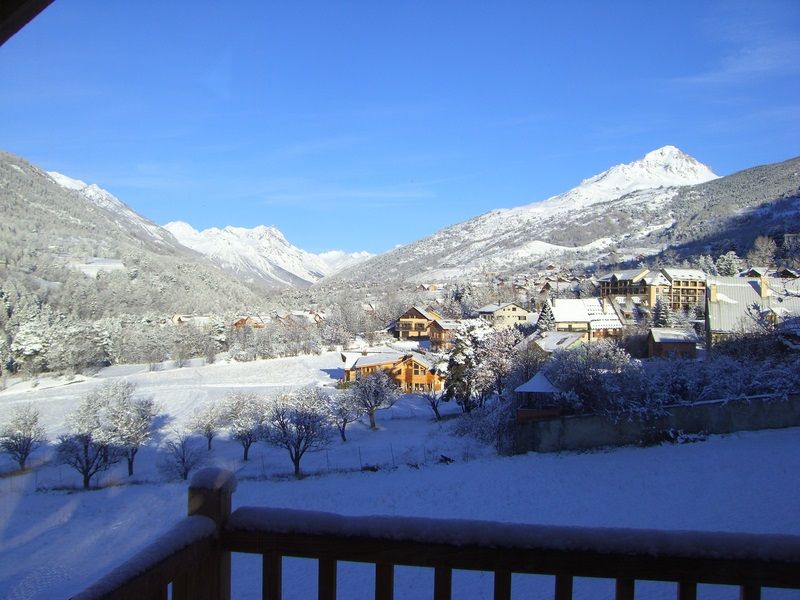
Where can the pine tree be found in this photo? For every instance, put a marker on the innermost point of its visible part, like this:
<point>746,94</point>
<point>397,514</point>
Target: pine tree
<point>728,265</point>
<point>547,320</point>
<point>662,314</point>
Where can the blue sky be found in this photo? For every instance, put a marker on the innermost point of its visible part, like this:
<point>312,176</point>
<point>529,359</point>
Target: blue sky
<point>362,125</point>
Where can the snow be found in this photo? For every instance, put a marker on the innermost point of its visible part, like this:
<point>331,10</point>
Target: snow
<point>187,531</point>
<point>262,253</point>
<point>463,532</point>
<point>110,203</point>
<point>67,182</point>
<point>212,478</point>
<point>97,264</point>
<point>55,541</point>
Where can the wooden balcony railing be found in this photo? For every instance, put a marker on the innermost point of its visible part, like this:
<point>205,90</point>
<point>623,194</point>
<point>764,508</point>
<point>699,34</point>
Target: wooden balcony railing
<point>194,557</point>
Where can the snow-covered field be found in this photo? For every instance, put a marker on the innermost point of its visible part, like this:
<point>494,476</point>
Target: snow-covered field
<point>54,541</point>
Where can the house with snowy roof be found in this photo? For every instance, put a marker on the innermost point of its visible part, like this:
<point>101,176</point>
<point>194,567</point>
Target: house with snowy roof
<point>594,318</point>
<point>441,333</point>
<point>415,323</point>
<point>411,371</point>
<point>629,282</point>
<point>682,288</point>
<point>670,342</point>
<point>687,287</point>
<point>739,304</point>
<point>505,315</point>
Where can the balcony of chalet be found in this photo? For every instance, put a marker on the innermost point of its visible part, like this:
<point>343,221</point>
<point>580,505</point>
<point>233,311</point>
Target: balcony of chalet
<point>193,559</point>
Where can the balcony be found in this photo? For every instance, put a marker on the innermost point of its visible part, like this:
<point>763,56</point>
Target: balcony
<point>193,559</point>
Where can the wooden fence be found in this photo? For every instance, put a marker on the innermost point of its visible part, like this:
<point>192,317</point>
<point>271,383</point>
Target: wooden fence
<point>194,557</point>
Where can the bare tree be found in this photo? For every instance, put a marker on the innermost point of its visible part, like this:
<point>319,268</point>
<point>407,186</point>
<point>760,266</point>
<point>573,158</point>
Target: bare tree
<point>182,456</point>
<point>299,423</point>
<point>87,449</point>
<point>207,421</point>
<point>344,409</point>
<point>434,399</point>
<point>129,419</point>
<point>762,254</point>
<point>244,414</point>
<point>22,435</point>
<point>375,391</point>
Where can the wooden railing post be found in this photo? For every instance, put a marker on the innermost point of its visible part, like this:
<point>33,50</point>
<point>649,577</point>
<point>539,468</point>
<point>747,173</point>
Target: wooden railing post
<point>210,496</point>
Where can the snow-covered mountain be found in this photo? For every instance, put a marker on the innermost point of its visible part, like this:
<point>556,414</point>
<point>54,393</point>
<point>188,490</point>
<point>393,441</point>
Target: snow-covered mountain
<point>258,255</point>
<point>125,218</point>
<point>103,259</point>
<point>666,198</point>
<point>262,254</point>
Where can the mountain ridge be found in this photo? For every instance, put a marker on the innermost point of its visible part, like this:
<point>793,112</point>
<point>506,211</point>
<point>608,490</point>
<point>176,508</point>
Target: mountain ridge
<point>262,254</point>
<point>639,208</point>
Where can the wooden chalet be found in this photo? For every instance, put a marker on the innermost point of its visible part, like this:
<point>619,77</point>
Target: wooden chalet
<point>441,334</point>
<point>412,372</point>
<point>415,323</point>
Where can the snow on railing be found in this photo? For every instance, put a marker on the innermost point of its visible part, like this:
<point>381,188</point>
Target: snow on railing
<point>195,556</point>
<point>185,538</point>
<point>517,536</point>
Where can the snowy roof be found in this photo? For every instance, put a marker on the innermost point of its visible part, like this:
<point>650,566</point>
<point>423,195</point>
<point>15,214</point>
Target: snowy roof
<point>425,313</point>
<point>671,334</point>
<point>376,359</point>
<point>738,298</point>
<point>390,357</point>
<point>492,308</point>
<point>690,274</point>
<point>759,271</point>
<point>538,384</point>
<point>585,310</point>
<point>628,274</point>
<point>558,340</point>
<point>655,278</point>
<point>448,324</point>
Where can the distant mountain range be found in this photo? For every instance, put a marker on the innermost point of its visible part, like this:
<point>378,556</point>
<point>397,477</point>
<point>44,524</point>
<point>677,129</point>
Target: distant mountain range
<point>262,254</point>
<point>665,199</point>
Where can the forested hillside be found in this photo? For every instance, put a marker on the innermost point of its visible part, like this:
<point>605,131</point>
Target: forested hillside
<point>79,269</point>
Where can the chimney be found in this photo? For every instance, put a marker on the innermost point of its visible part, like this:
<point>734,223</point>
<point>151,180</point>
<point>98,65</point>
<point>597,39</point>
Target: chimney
<point>763,286</point>
<point>606,304</point>
<point>712,293</point>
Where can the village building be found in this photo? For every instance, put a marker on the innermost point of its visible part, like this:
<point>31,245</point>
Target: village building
<point>594,318</point>
<point>415,323</point>
<point>737,304</point>
<point>441,334</point>
<point>669,342</point>
<point>503,316</point>
<point>412,372</point>
<point>687,287</point>
<point>681,288</point>
<point>630,282</point>
<point>253,322</point>
<point>551,341</point>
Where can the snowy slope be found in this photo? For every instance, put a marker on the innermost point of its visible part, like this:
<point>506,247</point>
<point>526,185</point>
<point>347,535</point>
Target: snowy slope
<point>740,482</point>
<point>125,218</point>
<point>578,220</point>
<point>262,254</point>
